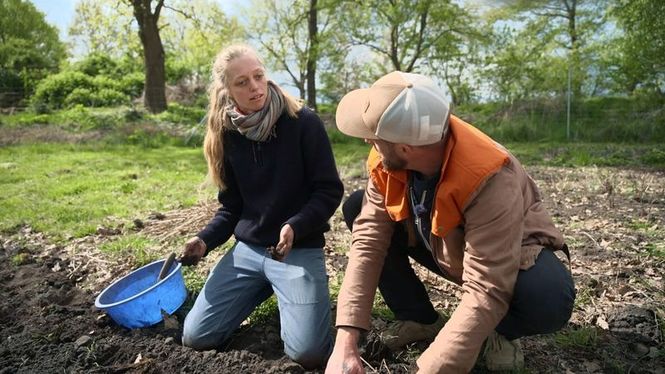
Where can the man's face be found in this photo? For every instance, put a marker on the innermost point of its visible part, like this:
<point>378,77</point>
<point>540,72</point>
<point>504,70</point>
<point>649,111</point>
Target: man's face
<point>389,158</point>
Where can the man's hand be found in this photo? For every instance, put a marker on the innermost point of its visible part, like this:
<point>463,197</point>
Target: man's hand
<point>345,358</point>
<point>282,249</point>
<point>195,248</point>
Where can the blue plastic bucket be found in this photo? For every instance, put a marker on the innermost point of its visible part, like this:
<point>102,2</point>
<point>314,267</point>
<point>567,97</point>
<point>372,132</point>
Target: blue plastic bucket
<point>137,299</point>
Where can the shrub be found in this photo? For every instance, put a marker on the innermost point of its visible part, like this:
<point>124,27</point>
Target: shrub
<point>52,92</point>
<point>109,97</point>
<point>83,96</point>
<point>177,113</point>
<point>132,84</point>
<point>105,82</point>
<point>176,71</point>
<point>11,88</point>
<point>97,64</point>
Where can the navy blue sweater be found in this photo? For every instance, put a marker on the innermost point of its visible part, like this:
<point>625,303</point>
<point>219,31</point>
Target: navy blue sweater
<point>290,178</point>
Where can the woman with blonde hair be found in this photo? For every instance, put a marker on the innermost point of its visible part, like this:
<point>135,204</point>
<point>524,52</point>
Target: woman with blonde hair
<point>278,186</point>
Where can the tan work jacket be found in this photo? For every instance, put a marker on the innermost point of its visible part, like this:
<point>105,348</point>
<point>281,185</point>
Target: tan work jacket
<point>488,222</point>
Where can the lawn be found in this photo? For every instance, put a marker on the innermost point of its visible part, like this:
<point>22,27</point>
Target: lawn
<point>70,189</point>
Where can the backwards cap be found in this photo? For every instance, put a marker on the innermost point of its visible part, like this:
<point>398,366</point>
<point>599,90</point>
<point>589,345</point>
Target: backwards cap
<point>399,108</point>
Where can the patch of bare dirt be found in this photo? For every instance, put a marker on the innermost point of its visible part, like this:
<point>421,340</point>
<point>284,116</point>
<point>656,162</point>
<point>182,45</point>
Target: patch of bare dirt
<point>613,220</point>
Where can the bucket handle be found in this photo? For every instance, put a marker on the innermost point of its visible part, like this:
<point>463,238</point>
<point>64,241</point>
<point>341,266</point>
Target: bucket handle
<point>167,265</point>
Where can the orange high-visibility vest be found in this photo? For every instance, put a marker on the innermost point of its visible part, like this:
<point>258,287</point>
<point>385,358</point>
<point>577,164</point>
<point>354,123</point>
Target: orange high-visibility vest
<point>470,157</point>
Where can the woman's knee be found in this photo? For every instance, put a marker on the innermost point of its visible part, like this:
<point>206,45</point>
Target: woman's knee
<point>310,357</point>
<point>198,342</point>
<point>199,337</point>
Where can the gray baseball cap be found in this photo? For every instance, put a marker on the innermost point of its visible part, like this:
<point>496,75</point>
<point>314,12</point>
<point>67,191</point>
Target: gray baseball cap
<point>399,107</point>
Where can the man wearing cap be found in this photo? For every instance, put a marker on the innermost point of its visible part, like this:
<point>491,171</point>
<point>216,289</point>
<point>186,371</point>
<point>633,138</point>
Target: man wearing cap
<point>446,195</point>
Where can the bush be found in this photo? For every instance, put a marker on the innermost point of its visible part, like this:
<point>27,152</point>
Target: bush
<point>11,88</point>
<point>176,71</point>
<point>52,92</point>
<point>97,64</point>
<point>109,97</point>
<point>177,113</point>
<point>81,96</point>
<point>132,84</point>
<point>105,82</point>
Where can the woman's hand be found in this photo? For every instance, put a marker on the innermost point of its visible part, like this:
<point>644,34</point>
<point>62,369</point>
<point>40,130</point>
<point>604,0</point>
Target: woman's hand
<point>195,248</point>
<point>283,248</point>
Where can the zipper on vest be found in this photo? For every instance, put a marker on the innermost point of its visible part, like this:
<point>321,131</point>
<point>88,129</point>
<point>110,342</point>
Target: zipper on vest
<point>418,222</point>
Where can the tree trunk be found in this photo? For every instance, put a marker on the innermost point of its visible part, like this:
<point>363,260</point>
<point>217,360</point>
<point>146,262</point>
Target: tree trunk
<point>312,55</point>
<point>571,12</point>
<point>154,92</point>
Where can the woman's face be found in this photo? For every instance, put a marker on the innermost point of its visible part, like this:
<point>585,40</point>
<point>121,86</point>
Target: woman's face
<point>248,85</point>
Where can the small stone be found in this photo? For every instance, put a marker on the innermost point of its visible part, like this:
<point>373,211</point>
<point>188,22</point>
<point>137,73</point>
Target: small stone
<point>169,340</point>
<point>83,341</point>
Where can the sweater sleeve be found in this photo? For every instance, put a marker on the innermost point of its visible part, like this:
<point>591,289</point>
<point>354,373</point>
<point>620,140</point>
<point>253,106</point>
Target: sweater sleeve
<point>326,188</point>
<point>221,226</point>
<point>493,234</point>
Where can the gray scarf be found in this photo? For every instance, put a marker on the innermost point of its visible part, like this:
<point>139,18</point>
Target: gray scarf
<point>258,126</point>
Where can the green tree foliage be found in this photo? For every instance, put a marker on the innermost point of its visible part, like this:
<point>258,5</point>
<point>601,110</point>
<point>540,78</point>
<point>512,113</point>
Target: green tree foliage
<point>29,49</point>
<point>403,32</point>
<point>432,37</point>
<point>641,52</point>
<point>97,80</point>
<point>193,35</point>
<point>105,27</point>
<point>282,32</point>
<point>561,34</point>
<point>522,64</point>
<point>192,32</point>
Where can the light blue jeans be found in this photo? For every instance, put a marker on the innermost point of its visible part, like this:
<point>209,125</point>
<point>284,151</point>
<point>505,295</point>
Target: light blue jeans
<point>244,278</point>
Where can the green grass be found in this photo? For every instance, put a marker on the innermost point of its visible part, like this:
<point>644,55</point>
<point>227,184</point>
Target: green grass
<point>137,248</point>
<point>80,118</point>
<point>351,155</point>
<point>635,119</point>
<point>584,337</point>
<point>589,154</point>
<point>66,189</point>
<point>71,189</point>
<point>265,312</point>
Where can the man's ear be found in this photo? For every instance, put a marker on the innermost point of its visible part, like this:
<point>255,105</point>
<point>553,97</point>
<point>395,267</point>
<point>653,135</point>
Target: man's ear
<point>405,149</point>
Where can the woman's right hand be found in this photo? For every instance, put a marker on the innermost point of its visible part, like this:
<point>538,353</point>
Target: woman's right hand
<point>195,248</point>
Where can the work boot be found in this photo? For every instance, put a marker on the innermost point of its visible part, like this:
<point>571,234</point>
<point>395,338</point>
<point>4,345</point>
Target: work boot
<point>401,333</point>
<point>502,354</point>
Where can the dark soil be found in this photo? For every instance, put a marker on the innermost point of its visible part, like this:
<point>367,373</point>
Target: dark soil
<point>613,219</point>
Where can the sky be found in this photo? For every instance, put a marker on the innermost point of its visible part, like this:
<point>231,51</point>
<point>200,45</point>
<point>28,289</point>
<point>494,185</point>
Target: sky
<point>60,13</point>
